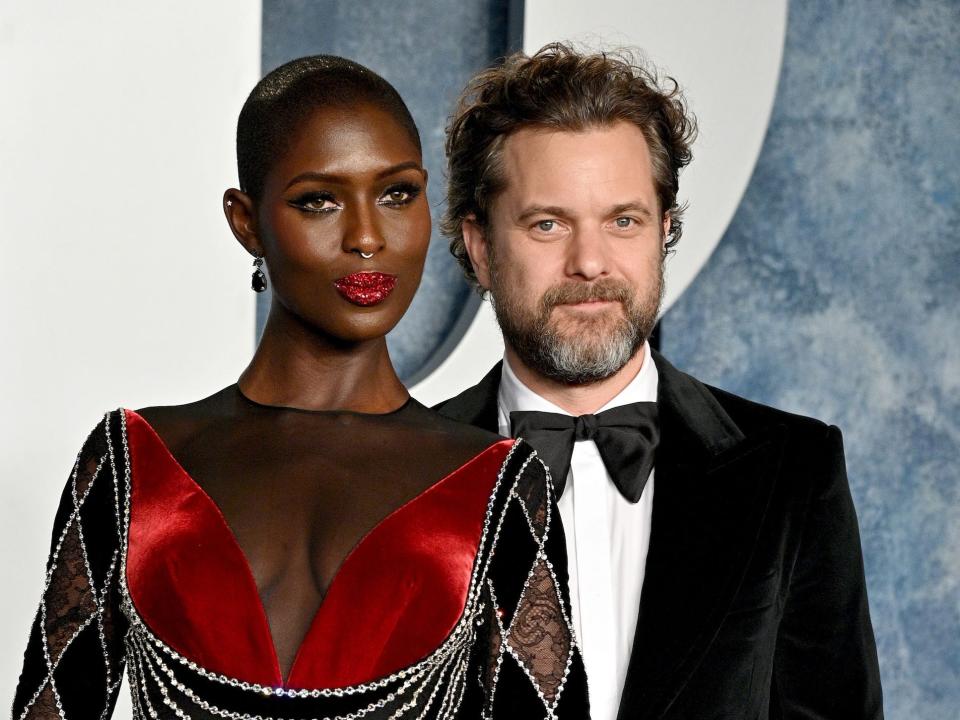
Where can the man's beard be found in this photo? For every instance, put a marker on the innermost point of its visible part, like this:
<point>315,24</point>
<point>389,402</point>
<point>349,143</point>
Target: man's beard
<point>594,346</point>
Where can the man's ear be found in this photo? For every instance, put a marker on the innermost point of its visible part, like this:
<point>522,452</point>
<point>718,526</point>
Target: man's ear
<point>667,224</point>
<point>477,248</point>
<point>241,216</point>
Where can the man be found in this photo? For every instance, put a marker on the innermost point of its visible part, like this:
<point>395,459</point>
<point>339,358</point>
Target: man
<point>714,556</point>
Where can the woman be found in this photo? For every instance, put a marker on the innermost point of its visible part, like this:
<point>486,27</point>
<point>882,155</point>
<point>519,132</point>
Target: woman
<point>310,542</point>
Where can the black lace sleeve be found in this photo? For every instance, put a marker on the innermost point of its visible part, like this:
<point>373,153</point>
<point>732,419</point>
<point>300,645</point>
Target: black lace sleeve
<point>73,664</point>
<point>532,666</point>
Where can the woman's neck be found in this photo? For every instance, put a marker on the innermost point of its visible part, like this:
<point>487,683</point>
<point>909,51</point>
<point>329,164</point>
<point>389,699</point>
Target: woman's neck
<point>295,366</point>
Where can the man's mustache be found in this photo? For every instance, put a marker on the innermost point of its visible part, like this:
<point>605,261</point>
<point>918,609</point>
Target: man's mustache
<point>577,292</point>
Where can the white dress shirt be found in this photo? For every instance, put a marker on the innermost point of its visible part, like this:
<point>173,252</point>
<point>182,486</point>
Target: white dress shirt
<point>607,541</point>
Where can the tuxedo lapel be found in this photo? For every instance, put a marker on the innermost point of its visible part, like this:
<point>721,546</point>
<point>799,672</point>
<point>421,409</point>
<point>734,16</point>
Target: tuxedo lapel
<point>711,492</point>
<point>476,405</point>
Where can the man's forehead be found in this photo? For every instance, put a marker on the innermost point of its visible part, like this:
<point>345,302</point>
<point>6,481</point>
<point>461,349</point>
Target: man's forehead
<point>537,159</point>
<point>541,138</point>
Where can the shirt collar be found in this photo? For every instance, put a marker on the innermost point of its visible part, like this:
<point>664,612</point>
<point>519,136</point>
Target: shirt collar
<point>514,395</point>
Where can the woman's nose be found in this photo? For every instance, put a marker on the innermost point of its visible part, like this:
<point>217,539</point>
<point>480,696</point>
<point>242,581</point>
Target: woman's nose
<point>362,233</point>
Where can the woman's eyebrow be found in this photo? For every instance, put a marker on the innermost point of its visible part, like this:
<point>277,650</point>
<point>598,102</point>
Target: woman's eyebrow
<point>400,167</point>
<point>334,178</point>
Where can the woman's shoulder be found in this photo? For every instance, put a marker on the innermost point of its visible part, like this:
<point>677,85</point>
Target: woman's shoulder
<point>469,439</point>
<point>176,424</point>
<point>516,460</point>
<point>216,405</point>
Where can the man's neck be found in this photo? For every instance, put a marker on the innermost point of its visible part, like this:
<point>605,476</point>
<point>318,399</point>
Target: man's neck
<point>576,399</point>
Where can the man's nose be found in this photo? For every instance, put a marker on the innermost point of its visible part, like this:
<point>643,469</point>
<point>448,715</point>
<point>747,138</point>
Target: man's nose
<point>587,254</point>
<point>362,233</point>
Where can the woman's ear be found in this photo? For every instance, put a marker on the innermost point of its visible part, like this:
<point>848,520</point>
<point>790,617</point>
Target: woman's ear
<point>475,242</point>
<point>241,216</point>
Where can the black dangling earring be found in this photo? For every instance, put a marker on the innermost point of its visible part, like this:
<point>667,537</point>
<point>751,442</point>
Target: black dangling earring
<point>259,280</point>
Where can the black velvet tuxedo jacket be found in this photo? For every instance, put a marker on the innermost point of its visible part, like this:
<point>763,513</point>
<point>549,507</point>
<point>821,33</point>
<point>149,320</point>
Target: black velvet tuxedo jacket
<point>754,603</point>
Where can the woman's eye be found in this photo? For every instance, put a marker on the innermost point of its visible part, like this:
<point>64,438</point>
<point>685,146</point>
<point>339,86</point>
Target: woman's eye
<point>399,195</point>
<point>316,203</point>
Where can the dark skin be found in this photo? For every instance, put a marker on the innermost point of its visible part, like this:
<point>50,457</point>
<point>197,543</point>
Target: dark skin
<point>351,182</point>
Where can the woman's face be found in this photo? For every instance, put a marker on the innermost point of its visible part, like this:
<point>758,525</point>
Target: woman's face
<point>351,185</point>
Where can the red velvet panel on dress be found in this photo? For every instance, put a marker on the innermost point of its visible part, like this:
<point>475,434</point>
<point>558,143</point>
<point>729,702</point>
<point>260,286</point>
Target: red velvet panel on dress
<point>396,597</point>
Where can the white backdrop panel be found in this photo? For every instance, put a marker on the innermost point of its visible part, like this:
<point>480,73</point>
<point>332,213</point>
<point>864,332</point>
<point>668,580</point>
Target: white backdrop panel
<point>121,282</point>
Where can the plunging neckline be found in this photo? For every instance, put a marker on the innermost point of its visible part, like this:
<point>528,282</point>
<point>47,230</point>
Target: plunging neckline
<point>242,562</point>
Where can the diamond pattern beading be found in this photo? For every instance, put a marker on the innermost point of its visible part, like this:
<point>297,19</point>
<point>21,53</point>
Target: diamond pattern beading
<point>45,706</point>
<point>93,611</point>
<point>538,636</point>
<point>69,598</point>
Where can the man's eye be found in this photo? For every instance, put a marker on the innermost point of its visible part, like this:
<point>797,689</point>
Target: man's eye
<point>546,225</point>
<point>624,222</point>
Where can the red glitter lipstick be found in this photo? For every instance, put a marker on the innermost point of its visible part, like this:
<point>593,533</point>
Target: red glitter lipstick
<point>366,288</point>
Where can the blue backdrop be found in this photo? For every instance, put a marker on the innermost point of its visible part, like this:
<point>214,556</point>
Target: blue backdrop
<point>833,293</point>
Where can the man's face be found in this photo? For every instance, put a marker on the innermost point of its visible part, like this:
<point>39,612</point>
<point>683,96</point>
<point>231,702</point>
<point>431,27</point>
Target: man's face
<point>573,251</point>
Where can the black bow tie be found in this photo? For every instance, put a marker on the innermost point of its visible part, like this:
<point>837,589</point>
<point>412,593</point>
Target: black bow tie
<point>626,437</point>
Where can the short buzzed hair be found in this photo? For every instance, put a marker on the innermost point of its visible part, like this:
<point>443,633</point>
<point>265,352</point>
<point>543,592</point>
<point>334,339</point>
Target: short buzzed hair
<point>559,88</point>
<point>285,97</point>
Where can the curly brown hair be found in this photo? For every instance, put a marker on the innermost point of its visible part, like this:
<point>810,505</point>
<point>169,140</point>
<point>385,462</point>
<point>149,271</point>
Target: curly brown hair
<point>560,88</point>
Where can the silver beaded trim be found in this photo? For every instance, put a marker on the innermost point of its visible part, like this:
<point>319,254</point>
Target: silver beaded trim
<point>496,673</point>
<point>147,653</point>
<point>449,660</point>
<point>549,705</point>
<point>98,597</point>
<point>553,575</point>
<point>442,675</point>
<point>505,646</point>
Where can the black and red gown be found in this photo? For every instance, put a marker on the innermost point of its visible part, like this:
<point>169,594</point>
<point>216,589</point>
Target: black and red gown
<point>412,567</point>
